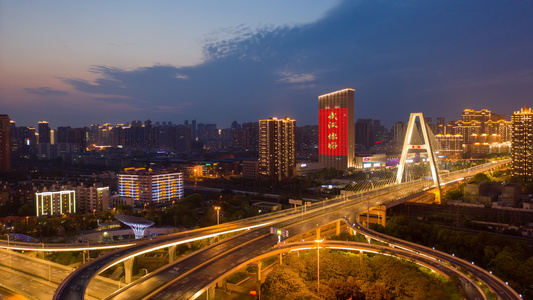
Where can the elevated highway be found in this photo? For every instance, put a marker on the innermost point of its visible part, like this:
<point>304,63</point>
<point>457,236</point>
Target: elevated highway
<point>501,289</point>
<point>73,287</point>
<point>178,280</point>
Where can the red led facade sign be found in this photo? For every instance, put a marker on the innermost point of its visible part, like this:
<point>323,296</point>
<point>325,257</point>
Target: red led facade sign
<point>333,131</point>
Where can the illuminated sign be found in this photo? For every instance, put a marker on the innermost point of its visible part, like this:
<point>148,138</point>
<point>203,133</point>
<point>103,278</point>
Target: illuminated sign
<point>333,131</point>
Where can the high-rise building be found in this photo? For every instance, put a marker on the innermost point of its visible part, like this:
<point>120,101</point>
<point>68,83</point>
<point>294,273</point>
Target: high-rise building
<point>336,129</point>
<point>363,134</point>
<point>5,144</point>
<point>146,186</point>
<point>44,132</point>
<point>522,145</point>
<point>441,126</point>
<point>399,130</point>
<point>276,148</point>
<point>92,199</point>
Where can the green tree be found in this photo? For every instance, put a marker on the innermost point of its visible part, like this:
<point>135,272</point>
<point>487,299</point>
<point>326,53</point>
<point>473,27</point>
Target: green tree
<point>281,283</point>
<point>481,177</point>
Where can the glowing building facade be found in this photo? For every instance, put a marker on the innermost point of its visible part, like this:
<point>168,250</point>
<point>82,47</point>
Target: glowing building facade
<point>276,148</point>
<point>522,145</point>
<point>55,203</point>
<point>146,186</point>
<point>336,129</point>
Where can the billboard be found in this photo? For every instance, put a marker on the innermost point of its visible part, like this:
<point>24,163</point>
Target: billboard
<point>333,131</point>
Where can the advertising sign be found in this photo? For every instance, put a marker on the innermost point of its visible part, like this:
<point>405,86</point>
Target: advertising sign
<point>333,131</point>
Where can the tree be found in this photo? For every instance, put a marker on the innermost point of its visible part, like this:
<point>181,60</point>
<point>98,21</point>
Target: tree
<point>481,177</point>
<point>281,283</point>
<point>453,195</point>
<point>26,210</point>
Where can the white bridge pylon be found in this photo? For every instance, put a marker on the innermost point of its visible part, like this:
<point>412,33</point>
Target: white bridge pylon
<point>407,146</point>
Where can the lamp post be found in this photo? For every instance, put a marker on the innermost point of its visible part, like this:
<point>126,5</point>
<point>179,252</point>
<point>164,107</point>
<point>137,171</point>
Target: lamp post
<point>318,263</point>
<point>217,208</point>
<point>8,249</point>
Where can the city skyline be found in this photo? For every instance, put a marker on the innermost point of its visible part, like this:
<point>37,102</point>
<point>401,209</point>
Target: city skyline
<point>117,63</point>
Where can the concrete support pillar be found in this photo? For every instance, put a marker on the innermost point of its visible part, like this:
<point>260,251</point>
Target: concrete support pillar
<point>281,259</point>
<point>384,217</point>
<point>338,227</point>
<point>172,253</point>
<point>224,283</point>
<point>259,268</point>
<point>84,253</point>
<point>368,238</point>
<point>128,270</point>
<point>210,293</point>
<point>317,234</point>
<point>360,256</point>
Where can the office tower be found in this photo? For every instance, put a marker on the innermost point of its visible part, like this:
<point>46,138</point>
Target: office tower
<point>148,135</point>
<point>336,129</point>
<point>399,130</point>
<point>193,130</point>
<point>522,145</point>
<point>379,132</point>
<point>441,126</point>
<point>63,134</point>
<point>5,144</point>
<point>45,149</point>
<point>55,203</point>
<point>252,135</point>
<point>146,186</point>
<point>276,148</point>
<point>44,132</point>
<point>363,134</point>
<point>182,135</point>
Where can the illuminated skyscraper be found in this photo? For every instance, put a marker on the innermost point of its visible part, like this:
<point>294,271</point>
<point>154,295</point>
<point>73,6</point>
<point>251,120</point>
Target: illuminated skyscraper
<point>5,144</point>
<point>336,129</point>
<point>276,148</point>
<point>522,145</point>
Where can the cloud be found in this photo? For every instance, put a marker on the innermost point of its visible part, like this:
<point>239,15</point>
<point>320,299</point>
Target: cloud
<point>45,91</point>
<point>399,58</point>
<point>181,76</point>
<point>290,77</point>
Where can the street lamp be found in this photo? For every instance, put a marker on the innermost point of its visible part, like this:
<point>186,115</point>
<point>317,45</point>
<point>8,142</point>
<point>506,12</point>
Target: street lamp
<point>318,263</point>
<point>8,249</point>
<point>217,208</point>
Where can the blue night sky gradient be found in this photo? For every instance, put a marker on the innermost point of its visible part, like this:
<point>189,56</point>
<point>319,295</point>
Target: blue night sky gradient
<point>436,57</point>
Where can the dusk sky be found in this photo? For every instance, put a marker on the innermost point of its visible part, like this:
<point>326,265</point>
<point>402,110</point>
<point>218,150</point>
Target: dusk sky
<point>82,62</point>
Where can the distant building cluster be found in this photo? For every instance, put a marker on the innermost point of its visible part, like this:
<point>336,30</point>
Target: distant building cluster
<point>478,133</point>
<point>269,149</point>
